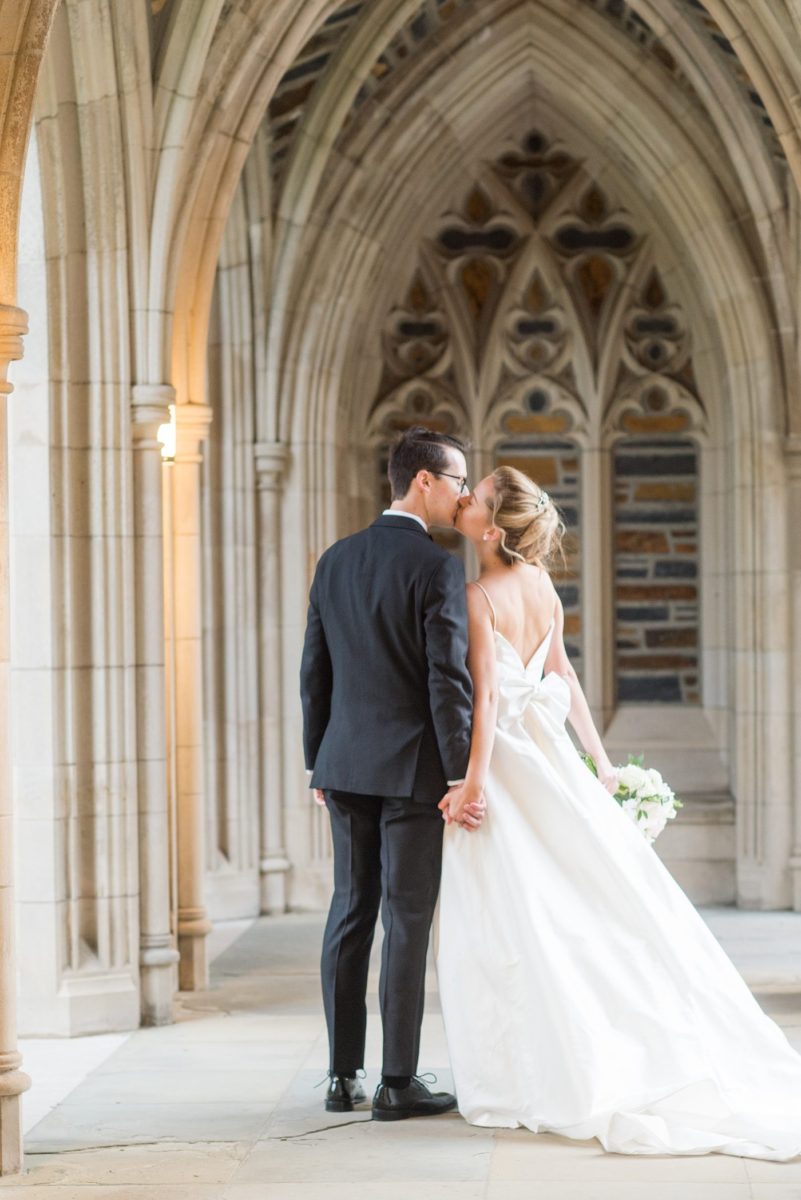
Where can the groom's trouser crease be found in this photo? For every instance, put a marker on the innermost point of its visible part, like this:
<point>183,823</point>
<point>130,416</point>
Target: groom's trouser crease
<point>394,845</point>
<point>348,940</point>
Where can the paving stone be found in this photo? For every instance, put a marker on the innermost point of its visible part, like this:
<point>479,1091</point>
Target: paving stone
<point>228,1102</point>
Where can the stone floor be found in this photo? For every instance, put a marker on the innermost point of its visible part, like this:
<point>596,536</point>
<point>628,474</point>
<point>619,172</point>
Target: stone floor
<point>222,1105</point>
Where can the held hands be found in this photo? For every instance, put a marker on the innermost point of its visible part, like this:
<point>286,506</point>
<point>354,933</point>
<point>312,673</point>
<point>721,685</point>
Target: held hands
<point>463,805</point>
<point>319,797</point>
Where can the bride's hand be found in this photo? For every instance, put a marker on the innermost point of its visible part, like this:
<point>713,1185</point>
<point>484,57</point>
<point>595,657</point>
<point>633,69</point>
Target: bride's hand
<point>607,775</point>
<point>463,805</point>
<point>473,814</point>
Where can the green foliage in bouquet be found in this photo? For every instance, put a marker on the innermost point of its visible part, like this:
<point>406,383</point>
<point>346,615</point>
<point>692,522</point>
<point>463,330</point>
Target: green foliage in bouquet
<point>624,793</point>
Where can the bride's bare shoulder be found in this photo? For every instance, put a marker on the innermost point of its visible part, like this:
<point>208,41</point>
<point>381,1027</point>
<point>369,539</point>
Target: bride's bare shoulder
<point>536,578</point>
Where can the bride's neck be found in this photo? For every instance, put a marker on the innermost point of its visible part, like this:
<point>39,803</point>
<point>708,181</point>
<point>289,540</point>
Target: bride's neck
<point>487,556</point>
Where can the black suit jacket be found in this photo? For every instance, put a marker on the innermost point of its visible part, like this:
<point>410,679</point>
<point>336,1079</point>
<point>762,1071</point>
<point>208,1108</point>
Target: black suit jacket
<point>387,698</point>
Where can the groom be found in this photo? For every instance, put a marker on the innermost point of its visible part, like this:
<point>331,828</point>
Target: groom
<point>387,707</point>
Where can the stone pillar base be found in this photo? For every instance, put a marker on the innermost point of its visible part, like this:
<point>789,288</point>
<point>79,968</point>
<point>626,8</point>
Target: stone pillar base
<point>273,873</point>
<point>158,982</point>
<point>193,966</point>
<point>84,1003</point>
<point>12,1085</point>
<point>795,877</point>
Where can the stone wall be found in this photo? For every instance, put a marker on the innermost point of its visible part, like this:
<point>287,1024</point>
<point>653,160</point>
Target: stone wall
<point>656,572</point>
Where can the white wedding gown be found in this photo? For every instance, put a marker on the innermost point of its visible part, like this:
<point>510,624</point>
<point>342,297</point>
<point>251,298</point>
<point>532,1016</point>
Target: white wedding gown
<point>581,992</point>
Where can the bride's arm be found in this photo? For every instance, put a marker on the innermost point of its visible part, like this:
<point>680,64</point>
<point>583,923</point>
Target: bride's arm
<point>482,664</point>
<point>580,716</point>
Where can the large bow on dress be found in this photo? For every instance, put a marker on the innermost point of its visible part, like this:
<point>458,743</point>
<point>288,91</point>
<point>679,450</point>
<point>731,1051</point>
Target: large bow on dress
<point>548,695</point>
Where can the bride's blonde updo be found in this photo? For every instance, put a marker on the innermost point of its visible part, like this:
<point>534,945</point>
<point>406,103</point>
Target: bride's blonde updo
<point>531,527</point>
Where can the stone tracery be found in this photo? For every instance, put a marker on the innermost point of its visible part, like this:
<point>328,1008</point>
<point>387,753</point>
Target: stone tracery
<point>523,293</point>
<point>511,298</point>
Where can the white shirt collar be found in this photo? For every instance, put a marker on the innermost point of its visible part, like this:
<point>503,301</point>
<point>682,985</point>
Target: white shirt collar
<point>396,512</point>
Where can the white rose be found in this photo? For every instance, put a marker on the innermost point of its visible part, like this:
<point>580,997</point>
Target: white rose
<point>631,776</point>
<point>654,826</point>
<point>654,781</point>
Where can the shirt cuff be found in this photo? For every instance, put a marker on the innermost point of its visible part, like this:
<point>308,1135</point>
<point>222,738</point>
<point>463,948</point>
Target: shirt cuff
<point>454,782</point>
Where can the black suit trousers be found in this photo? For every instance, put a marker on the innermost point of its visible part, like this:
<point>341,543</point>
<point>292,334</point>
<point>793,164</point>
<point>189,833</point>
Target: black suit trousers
<point>387,856</point>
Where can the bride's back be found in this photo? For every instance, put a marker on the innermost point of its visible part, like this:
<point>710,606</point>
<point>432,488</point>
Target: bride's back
<point>524,600</point>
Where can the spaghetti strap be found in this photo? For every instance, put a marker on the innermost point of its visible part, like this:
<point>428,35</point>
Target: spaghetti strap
<point>489,602</point>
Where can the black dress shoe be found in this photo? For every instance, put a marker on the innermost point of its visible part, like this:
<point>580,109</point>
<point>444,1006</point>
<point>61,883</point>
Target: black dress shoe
<point>397,1104</point>
<point>343,1092</point>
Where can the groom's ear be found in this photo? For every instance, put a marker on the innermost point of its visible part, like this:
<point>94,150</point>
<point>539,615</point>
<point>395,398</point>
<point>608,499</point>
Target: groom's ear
<point>423,479</point>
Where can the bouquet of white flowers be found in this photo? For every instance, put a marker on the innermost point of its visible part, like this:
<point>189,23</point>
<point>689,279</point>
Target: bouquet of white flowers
<point>643,795</point>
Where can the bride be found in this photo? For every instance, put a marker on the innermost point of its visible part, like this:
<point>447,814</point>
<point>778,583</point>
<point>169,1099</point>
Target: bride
<point>581,992</point>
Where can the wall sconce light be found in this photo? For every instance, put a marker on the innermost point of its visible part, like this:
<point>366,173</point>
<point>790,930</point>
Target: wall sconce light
<point>166,435</point>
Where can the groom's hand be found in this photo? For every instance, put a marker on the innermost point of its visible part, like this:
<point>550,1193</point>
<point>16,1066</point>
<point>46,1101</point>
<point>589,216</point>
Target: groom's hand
<point>319,796</point>
<point>464,806</point>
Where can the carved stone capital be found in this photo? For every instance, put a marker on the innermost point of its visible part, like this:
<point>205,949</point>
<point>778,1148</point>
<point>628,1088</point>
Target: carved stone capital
<point>272,459</point>
<point>150,408</point>
<point>13,327</point>
<point>192,423</point>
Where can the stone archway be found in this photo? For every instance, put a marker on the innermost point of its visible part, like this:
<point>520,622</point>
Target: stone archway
<point>538,323</point>
<point>353,262</point>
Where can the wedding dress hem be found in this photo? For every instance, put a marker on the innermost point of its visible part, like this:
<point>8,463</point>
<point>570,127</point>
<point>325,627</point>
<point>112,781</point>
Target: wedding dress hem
<point>637,1127</point>
<point>582,994</point>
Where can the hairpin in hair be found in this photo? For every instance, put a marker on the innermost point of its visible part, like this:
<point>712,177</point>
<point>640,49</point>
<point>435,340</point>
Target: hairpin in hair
<point>543,500</point>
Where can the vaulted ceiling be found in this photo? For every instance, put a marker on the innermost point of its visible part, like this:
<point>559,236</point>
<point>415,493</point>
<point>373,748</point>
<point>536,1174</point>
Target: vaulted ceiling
<point>326,51</point>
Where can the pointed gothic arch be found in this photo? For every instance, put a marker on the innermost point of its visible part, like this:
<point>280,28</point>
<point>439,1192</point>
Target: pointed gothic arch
<point>353,263</point>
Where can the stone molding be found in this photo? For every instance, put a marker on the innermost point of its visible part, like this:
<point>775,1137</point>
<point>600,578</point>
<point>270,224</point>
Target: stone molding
<point>14,1082</point>
<point>157,953</point>
<point>193,921</point>
<point>13,327</point>
<point>192,425</point>
<point>150,408</point>
<point>272,459</point>
<point>792,450</point>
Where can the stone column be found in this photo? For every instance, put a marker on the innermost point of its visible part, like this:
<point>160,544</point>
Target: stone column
<point>597,586</point>
<point>271,461</point>
<point>13,1082</point>
<point>157,952</point>
<point>793,450</point>
<point>192,427</point>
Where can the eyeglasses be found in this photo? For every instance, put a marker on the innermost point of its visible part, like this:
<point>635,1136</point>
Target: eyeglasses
<point>460,479</point>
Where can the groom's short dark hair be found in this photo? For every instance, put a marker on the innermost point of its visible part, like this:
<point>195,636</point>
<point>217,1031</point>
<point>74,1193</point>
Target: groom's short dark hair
<point>418,449</point>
